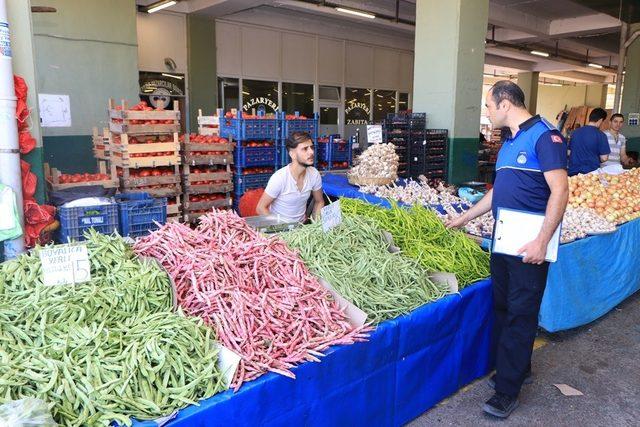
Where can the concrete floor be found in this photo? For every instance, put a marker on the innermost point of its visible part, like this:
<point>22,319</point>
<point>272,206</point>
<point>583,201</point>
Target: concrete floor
<point>602,360</point>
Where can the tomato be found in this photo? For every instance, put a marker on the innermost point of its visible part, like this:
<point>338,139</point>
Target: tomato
<point>144,173</point>
<point>156,172</point>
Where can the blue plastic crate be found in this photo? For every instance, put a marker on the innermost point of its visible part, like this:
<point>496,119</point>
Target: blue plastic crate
<point>309,125</point>
<point>140,213</point>
<point>283,158</point>
<point>243,183</point>
<point>246,157</point>
<point>335,150</point>
<point>242,129</point>
<point>75,221</point>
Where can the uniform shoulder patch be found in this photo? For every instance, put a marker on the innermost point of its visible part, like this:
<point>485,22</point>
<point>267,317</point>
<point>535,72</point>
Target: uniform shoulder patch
<point>556,138</point>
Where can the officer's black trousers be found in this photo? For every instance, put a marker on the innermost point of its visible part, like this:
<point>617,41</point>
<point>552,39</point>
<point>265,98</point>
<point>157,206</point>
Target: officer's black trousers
<point>517,293</point>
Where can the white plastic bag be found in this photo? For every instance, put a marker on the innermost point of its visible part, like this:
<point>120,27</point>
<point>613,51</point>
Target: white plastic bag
<point>27,412</point>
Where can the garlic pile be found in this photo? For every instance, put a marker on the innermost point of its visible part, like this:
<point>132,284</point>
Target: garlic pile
<point>377,161</point>
<point>578,222</point>
<point>414,192</point>
<point>481,226</point>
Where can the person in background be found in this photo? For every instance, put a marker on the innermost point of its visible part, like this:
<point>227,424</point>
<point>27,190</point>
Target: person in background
<point>531,176</point>
<point>588,146</point>
<point>288,189</point>
<point>617,143</point>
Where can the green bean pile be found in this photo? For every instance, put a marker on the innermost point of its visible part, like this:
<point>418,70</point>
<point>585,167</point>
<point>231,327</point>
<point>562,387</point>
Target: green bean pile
<point>421,235</point>
<point>105,350</point>
<point>355,260</point>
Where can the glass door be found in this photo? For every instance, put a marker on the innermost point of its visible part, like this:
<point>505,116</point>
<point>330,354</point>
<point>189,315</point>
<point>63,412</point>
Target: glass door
<point>329,119</point>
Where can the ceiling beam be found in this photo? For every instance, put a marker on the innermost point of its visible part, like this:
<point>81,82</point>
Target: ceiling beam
<point>576,76</point>
<point>590,24</point>
<point>502,61</point>
<point>506,17</point>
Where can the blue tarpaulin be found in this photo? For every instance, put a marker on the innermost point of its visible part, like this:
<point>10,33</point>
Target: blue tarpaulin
<point>338,186</point>
<point>408,365</point>
<point>590,278</point>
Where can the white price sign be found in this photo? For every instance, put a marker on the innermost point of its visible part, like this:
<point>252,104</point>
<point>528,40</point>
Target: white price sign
<point>65,265</point>
<point>374,134</point>
<point>331,216</point>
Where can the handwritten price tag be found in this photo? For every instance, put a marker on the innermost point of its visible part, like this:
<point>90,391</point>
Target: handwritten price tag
<point>331,216</point>
<point>374,134</point>
<point>65,265</point>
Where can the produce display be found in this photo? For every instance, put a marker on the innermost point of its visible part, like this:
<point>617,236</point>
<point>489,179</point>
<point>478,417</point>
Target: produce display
<point>195,138</point>
<point>420,234</point>
<point>577,223</point>
<point>416,192</point>
<point>379,161</point>
<point>256,292</point>
<point>355,259</point>
<point>614,197</point>
<point>105,350</point>
<point>147,172</point>
<point>82,177</point>
<point>142,106</point>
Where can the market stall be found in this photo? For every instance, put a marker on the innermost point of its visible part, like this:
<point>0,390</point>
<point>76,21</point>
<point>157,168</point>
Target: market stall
<point>587,281</point>
<point>408,365</point>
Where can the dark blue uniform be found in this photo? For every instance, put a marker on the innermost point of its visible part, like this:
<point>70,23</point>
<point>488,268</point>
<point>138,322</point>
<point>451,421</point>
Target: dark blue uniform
<point>538,147</point>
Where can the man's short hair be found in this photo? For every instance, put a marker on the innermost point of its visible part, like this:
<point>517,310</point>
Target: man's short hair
<point>616,115</point>
<point>506,89</point>
<point>297,138</point>
<point>597,114</point>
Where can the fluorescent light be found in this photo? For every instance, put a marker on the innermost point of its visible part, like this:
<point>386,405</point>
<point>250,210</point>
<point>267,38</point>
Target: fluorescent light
<point>553,84</point>
<point>172,76</point>
<point>539,53</point>
<point>160,5</point>
<point>592,65</point>
<point>356,13</point>
<point>246,93</point>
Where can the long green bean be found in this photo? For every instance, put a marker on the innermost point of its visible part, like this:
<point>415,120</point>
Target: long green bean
<point>105,350</point>
<point>421,235</point>
<point>354,259</point>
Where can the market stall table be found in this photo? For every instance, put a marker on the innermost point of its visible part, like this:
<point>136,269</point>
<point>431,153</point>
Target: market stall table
<point>408,365</point>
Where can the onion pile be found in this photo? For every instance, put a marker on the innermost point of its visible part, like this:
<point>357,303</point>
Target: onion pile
<point>577,223</point>
<point>415,192</point>
<point>614,197</point>
<point>377,161</point>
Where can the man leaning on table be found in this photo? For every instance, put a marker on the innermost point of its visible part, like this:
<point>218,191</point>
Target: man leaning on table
<point>531,175</point>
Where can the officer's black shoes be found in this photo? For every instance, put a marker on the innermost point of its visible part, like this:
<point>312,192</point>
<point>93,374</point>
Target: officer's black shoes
<point>491,382</point>
<point>500,405</point>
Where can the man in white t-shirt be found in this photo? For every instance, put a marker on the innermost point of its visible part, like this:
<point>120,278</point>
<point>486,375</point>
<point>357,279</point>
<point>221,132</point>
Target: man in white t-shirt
<point>617,143</point>
<point>289,188</point>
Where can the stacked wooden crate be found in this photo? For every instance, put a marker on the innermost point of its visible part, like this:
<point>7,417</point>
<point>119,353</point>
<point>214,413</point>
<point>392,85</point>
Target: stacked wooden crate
<point>145,150</point>
<point>206,174</point>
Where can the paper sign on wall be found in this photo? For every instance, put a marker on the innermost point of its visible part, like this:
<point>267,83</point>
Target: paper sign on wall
<point>65,265</point>
<point>374,134</point>
<point>331,216</point>
<point>55,110</point>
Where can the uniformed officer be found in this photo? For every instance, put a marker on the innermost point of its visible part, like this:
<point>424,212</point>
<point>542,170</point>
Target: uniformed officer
<point>531,175</point>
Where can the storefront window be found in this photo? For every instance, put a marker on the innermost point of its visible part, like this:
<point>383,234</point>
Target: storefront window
<point>403,102</point>
<point>384,102</point>
<point>297,97</point>
<point>260,95</point>
<point>228,93</point>
<point>357,106</point>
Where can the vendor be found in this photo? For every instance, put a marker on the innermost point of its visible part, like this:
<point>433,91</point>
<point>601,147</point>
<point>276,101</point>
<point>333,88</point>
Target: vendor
<point>617,143</point>
<point>290,188</point>
<point>588,146</point>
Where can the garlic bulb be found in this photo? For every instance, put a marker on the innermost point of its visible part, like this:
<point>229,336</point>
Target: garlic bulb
<point>414,192</point>
<point>377,161</point>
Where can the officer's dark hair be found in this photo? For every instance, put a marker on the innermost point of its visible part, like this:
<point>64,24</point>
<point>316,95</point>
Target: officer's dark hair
<point>297,138</point>
<point>505,89</point>
<point>597,114</point>
<point>615,115</point>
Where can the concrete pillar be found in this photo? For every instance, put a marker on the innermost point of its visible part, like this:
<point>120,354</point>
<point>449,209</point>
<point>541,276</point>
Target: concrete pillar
<point>22,45</point>
<point>447,82</point>
<point>631,90</point>
<point>528,82</point>
<point>596,95</point>
<point>201,56</point>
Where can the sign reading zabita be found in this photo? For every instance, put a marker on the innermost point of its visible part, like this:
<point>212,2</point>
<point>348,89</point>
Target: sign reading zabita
<point>357,113</point>
<point>260,101</point>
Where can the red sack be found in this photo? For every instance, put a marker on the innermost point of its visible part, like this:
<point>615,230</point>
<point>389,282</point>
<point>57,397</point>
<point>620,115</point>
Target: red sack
<point>249,202</point>
<point>29,180</point>
<point>26,141</point>
<point>21,87</point>
<point>36,219</point>
<point>22,110</point>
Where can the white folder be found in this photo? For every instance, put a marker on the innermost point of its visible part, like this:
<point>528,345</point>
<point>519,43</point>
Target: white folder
<point>514,229</point>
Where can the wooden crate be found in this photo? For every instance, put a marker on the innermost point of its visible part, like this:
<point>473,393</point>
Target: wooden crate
<point>122,150</point>
<point>101,144</point>
<point>174,210</point>
<point>196,154</point>
<point>208,125</point>
<point>124,120</point>
<point>52,177</point>
<point>166,191</point>
<point>207,188</point>
<point>127,180</point>
<point>197,206</point>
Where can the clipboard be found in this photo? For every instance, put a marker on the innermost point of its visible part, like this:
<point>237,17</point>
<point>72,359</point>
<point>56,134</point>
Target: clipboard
<point>515,228</point>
